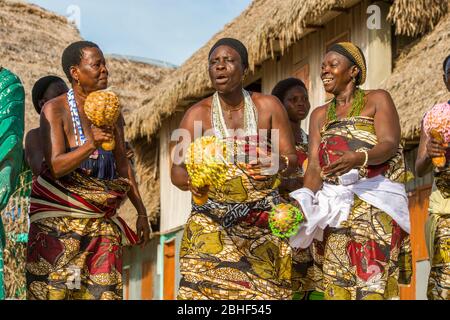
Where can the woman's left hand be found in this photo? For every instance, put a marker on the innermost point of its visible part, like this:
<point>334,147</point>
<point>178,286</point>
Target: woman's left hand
<point>348,161</point>
<point>261,168</point>
<point>143,230</point>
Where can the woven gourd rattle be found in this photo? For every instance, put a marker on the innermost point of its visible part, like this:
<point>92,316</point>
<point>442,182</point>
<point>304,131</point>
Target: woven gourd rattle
<point>103,109</point>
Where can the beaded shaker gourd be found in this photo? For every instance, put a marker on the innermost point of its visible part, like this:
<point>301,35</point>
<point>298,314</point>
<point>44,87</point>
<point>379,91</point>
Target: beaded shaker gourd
<point>103,109</point>
<point>284,220</point>
<point>206,165</point>
<point>437,124</point>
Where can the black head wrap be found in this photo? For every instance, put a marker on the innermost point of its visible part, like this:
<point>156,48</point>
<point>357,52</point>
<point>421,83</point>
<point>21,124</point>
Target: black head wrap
<point>355,55</point>
<point>39,89</point>
<point>285,85</point>
<point>236,45</point>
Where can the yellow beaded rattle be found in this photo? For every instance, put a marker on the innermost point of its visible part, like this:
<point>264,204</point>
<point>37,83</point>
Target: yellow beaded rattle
<point>103,109</point>
<point>206,165</point>
<point>284,220</point>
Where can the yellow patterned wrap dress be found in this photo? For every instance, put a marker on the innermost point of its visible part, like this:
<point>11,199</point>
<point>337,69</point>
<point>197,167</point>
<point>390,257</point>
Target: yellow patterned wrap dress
<point>228,250</point>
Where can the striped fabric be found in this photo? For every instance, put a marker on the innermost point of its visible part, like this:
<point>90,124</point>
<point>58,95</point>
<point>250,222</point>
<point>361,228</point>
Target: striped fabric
<point>51,199</point>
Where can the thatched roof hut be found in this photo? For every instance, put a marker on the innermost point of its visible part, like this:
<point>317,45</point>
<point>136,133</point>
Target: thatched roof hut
<point>32,40</point>
<point>416,82</point>
<point>266,27</point>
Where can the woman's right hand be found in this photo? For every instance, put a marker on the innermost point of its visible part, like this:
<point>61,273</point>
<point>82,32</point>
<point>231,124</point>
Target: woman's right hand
<point>101,134</point>
<point>436,148</point>
<point>198,192</point>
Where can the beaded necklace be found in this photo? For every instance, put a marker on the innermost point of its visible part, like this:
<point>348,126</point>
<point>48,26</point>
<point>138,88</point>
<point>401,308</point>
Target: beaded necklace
<point>77,128</point>
<point>357,106</point>
<point>250,117</point>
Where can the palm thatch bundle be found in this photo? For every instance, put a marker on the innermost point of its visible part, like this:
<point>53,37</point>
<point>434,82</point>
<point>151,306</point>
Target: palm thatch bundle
<point>266,27</point>
<point>132,80</point>
<point>31,44</point>
<point>416,17</point>
<point>416,83</point>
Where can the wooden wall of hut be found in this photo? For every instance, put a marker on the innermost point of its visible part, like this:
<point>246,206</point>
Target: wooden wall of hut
<point>175,204</point>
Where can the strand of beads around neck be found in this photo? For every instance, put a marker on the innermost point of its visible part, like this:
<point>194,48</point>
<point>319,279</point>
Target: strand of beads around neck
<point>357,106</point>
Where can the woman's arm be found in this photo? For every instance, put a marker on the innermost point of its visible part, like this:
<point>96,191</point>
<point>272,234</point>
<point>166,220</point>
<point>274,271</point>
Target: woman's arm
<point>33,151</point>
<point>59,161</point>
<point>428,149</point>
<point>423,161</point>
<point>125,170</point>
<point>179,175</point>
<point>387,129</point>
<point>312,179</point>
<point>291,184</point>
<point>280,123</point>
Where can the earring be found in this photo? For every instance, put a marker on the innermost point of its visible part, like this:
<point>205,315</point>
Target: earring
<point>354,80</point>
<point>78,82</point>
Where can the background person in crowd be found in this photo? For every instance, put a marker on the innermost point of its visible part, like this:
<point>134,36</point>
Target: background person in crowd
<point>45,89</point>
<point>434,154</point>
<point>293,95</point>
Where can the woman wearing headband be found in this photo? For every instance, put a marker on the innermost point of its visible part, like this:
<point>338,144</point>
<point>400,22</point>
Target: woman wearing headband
<point>353,196</point>
<point>228,251</point>
<point>437,228</point>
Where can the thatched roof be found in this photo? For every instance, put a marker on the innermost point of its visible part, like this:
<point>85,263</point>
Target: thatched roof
<point>32,40</point>
<point>265,27</point>
<point>416,83</point>
<point>416,17</point>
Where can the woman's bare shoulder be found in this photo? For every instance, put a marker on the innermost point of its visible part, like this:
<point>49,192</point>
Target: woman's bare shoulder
<point>55,107</point>
<point>200,109</point>
<point>377,94</point>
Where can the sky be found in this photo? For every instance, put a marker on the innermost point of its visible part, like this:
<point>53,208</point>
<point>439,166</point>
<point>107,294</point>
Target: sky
<point>165,30</point>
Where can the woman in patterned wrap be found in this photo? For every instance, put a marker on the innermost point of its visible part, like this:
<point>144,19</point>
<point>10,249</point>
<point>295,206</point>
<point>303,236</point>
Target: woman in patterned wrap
<point>293,95</point>
<point>354,173</point>
<point>228,250</point>
<point>75,240</point>
<point>437,230</point>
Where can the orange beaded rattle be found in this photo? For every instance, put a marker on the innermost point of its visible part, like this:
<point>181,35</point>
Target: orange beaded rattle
<point>103,109</point>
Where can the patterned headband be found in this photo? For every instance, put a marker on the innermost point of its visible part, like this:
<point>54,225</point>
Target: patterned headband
<point>355,55</point>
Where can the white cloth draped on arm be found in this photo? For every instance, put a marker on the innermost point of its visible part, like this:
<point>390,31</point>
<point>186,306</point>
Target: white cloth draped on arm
<point>331,205</point>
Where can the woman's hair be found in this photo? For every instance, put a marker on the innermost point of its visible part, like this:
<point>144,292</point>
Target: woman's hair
<point>40,87</point>
<point>72,55</point>
<point>282,87</point>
